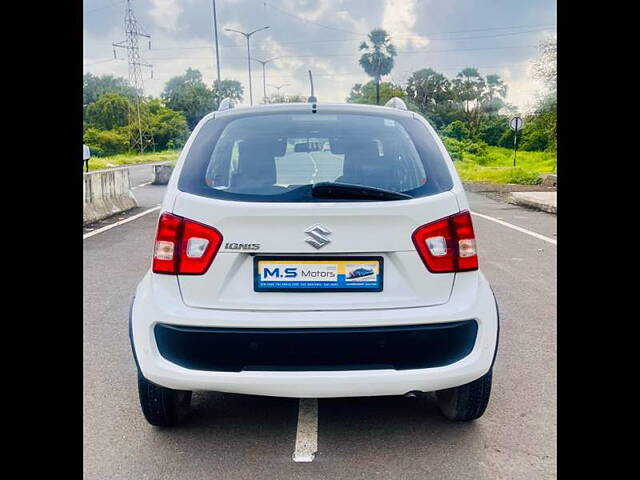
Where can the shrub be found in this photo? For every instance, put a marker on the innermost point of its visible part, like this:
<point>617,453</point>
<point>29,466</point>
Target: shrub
<point>457,130</point>
<point>491,130</point>
<point>454,147</point>
<point>524,177</point>
<point>108,112</point>
<point>106,142</point>
<point>476,148</point>
<point>169,128</point>
<point>534,141</point>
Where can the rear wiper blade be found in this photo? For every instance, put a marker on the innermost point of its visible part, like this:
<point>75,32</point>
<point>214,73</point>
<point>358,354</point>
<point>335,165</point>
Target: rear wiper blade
<point>351,191</point>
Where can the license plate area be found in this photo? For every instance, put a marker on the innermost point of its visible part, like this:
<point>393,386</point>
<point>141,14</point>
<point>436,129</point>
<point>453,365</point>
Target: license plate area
<point>317,274</point>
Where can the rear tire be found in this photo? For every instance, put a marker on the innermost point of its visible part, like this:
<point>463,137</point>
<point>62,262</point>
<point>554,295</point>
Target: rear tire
<point>466,402</point>
<point>161,406</point>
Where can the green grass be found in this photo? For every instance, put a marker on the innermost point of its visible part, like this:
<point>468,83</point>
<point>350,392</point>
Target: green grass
<point>497,166</point>
<point>98,163</point>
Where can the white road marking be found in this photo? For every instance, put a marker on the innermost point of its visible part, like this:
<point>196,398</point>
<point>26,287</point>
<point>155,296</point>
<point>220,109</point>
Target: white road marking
<point>141,185</point>
<point>550,240</point>
<point>307,433</point>
<point>315,167</point>
<point>121,222</point>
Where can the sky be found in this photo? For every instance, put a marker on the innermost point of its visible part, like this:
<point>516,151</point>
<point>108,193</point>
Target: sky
<point>495,36</point>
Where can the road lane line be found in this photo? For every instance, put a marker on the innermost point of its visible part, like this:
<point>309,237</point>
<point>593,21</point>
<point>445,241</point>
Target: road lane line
<point>141,185</point>
<point>550,240</point>
<point>307,433</point>
<point>118,223</point>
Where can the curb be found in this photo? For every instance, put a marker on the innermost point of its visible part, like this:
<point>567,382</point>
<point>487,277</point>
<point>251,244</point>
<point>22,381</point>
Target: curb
<point>531,200</point>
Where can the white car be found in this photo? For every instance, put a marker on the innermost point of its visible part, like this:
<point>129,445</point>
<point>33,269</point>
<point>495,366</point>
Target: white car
<point>249,291</point>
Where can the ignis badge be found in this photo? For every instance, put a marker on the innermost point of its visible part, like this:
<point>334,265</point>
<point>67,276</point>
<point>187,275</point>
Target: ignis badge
<point>242,246</point>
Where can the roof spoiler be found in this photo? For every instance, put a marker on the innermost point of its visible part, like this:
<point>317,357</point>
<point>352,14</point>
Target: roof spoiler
<point>226,104</point>
<point>396,102</point>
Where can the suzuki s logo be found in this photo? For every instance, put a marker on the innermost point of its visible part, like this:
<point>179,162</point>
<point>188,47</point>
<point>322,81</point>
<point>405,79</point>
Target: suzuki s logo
<point>318,236</point>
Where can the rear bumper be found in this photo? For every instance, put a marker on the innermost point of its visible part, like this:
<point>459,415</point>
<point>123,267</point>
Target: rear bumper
<point>316,349</point>
<point>165,348</point>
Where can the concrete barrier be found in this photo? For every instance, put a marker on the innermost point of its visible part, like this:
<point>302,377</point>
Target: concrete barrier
<point>162,174</point>
<point>106,193</point>
<point>549,180</point>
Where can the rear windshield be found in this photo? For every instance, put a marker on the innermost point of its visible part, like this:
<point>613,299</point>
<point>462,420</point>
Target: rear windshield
<point>279,157</point>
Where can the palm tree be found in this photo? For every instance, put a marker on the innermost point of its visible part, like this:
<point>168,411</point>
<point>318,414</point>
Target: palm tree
<point>496,91</point>
<point>468,88</point>
<point>378,59</point>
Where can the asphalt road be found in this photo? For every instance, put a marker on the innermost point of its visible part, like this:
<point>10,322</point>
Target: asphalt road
<point>247,437</point>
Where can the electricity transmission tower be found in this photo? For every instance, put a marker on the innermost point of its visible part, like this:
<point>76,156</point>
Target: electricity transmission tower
<point>139,131</point>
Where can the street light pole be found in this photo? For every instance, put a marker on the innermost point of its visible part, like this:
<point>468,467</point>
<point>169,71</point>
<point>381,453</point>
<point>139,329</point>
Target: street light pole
<point>264,75</point>
<point>215,31</point>
<point>248,36</point>
<point>278,87</point>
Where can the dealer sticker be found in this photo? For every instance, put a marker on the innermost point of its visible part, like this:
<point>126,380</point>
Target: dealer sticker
<point>319,275</point>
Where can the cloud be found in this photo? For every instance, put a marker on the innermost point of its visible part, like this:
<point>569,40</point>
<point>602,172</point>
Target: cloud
<point>523,87</point>
<point>399,19</point>
<point>182,36</point>
<point>165,13</point>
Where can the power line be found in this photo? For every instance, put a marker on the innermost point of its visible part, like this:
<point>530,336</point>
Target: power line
<point>290,14</point>
<point>410,52</point>
<point>351,40</point>
<point>98,61</point>
<point>111,5</point>
<point>285,12</point>
<point>162,59</point>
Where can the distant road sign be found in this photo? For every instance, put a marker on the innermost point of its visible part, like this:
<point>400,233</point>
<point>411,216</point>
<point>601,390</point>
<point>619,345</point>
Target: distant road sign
<point>516,123</point>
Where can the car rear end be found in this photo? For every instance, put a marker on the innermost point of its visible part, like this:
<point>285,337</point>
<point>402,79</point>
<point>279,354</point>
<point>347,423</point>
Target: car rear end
<point>264,283</point>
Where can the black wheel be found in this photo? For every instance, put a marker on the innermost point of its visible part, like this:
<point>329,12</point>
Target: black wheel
<point>163,406</point>
<point>466,402</point>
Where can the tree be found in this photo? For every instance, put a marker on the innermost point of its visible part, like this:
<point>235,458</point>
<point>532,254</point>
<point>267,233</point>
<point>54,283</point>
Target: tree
<point>169,128</point>
<point>428,88</point>
<point>468,89</point>
<point>109,111</point>
<point>431,92</point>
<point>456,130</point>
<point>275,98</point>
<point>378,59</point>
<point>106,142</point>
<point>545,68</point>
<point>93,87</point>
<point>189,94</point>
<point>494,94</point>
<point>227,89</point>
<point>371,92</point>
<point>493,128</point>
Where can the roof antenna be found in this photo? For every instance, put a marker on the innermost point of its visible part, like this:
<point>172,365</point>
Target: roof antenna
<point>312,98</point>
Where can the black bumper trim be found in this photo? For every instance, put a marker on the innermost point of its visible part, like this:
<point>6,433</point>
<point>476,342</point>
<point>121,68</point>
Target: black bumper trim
<point>308,349</point>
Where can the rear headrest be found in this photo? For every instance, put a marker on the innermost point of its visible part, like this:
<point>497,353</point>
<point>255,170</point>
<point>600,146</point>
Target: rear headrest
<point>255,160</point>
<point>279,147</point>
<point>360,155</point>
<point>276,147</point>
<point>367,149</point>
<point>336,145</point>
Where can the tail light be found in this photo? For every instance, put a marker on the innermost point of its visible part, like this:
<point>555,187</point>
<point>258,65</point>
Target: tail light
<point>448,245</point>
<point>184,247</point>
